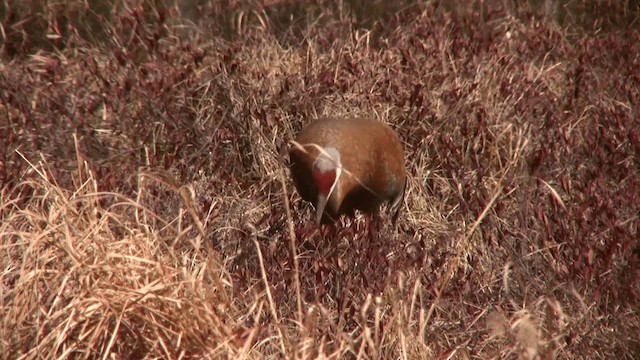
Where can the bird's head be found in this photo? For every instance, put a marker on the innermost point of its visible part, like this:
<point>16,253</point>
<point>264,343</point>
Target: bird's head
<point>326,174</point>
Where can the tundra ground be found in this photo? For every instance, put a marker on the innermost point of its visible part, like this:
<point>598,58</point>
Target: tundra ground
<point>146,212</point>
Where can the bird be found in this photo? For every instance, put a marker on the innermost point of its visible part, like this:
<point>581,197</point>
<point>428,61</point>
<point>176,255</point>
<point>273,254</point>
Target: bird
<point>346,164</point>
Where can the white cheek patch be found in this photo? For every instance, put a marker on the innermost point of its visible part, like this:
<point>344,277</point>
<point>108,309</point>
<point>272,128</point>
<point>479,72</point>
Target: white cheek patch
<point>329,160</point>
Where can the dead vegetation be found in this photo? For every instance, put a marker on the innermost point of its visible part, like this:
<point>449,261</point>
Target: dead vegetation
<point>144,213</point>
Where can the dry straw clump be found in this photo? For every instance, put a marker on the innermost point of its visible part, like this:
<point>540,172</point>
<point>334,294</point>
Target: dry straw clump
<point>88,272</point>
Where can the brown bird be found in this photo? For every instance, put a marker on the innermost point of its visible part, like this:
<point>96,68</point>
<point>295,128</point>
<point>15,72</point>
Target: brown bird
<point>342,165</point>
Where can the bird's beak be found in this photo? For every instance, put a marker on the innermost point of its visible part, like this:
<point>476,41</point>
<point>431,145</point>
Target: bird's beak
<point>320,205</point>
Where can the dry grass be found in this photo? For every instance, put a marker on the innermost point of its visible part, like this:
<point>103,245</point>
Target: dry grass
<point>146,212</point>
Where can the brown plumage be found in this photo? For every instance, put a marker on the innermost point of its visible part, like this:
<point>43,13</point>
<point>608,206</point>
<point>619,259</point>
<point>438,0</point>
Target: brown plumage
<point>342,165</point>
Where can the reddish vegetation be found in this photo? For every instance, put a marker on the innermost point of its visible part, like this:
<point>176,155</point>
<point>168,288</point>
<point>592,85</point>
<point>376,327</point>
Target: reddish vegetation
<point>143,212</point>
